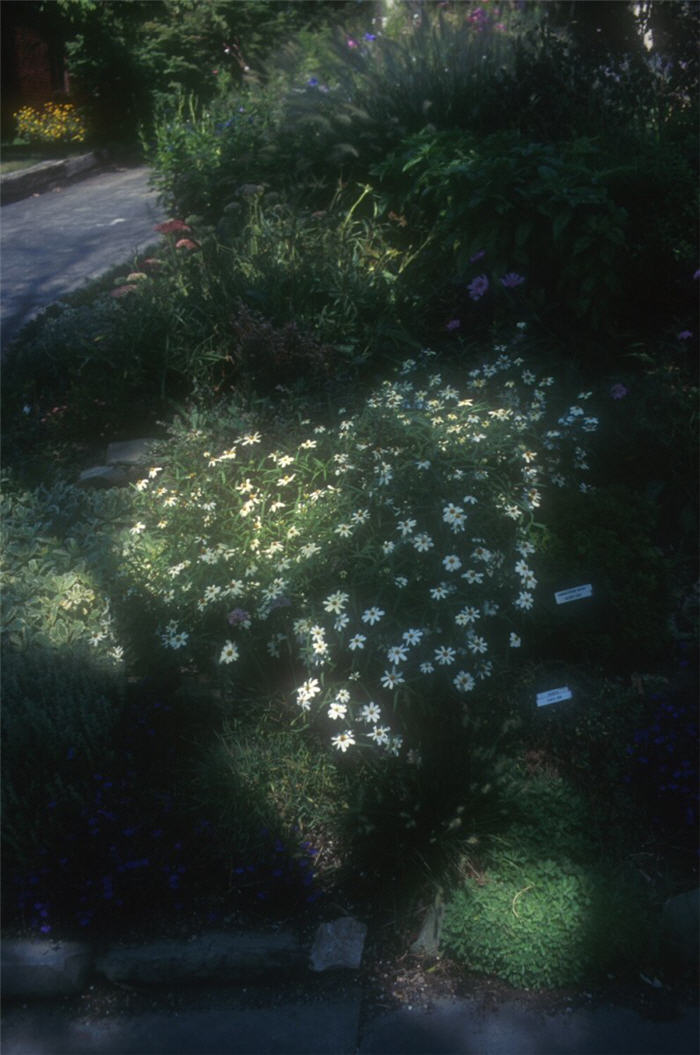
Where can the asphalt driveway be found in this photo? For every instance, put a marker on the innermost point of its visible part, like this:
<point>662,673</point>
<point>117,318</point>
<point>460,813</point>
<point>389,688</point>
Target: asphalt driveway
<point>54,242</point>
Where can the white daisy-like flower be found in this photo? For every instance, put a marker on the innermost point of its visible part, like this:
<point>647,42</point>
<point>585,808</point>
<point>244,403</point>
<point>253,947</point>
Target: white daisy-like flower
<point>137,528</point>
<point>477,644</point>
<point>473,576</point>
<point>423,542</point>
<point>344,530</point>
<point>358,641</point>
<point>343,741</point>
<point>372,615</point>
<point>391,678</point>
<point>464,681</point>
<point>466,616</point>
<point>335,602</point>
<point>514,641</point>
<point>412,637</point>
<point>388,547</point>
<point>337,710</point>
<point>439,592</point>
<point>307,691</point>
<point>397,654</point>
<point>406,527</point>
<point>426,668</point>
<point>250,438</point>
<point>380,734</point>
<point>451,562</point>
<point>445,656</point>
<point>524,601</point>
<point>341,622</point>
<point>423,465</point>
<point>370,713</point>
<point>229,653</point>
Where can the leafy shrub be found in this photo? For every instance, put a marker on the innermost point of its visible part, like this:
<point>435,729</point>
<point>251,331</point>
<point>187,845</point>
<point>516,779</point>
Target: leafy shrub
<point>663,770</point>
<point>202,154</point>
<point>606,538</point>
<point>107,834</point>
<point>53,123</point>
<point>57,560</point>
<point>545,923</point>
<point>298,548</point>
<point>513,205</point>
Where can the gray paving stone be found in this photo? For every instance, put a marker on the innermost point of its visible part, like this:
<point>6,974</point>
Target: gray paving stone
<point>338,944</point>
<point>215,955</point>
<point>44,968</point>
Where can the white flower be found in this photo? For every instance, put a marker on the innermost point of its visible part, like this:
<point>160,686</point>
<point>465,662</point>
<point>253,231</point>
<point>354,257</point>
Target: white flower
<point>445,656</point>
<point>360,517</point>
<point>514,641</point>
<point>370,713</point>
<point>380,734</point>
<point>358,641</point>
<point>250,438</point>
<point>335,602</point>
<point>406,527</point>
<point>466,616</point>
<point>423,465</point>
<point>477,644</point>
<point>426,668</point>
<point>337,710</point>
<point>451,562</point>
<point>229,653</point>
<point>391,678</point>
<point>524,600</point>
<point>397,654</point>
<point>423,542</point>
<point>343,741</point>
<point>342,696</point>
<point>439,592</point>
<point>412,637</point>
<point>344,530</point>
<point>464,681</point>
<point>372,615</point>
<point>388,547</point>
<point>307,691</point>
<point>473,576</point>
<point>396,744</point>
<point>137,528</point>
<point>341,622</point>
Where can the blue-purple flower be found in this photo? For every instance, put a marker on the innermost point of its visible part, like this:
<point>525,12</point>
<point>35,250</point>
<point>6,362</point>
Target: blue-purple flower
<point>478,286</point>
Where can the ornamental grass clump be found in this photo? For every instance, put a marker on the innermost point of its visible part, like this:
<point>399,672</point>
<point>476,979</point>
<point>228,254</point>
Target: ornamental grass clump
<point>369,572</point>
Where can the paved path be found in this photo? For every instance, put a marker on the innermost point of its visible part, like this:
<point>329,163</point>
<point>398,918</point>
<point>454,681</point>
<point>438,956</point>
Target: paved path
<point>246,1021</point>
<point>54,242</point>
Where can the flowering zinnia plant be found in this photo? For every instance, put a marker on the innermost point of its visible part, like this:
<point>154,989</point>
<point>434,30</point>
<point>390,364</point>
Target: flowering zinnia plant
<point>380,564</point>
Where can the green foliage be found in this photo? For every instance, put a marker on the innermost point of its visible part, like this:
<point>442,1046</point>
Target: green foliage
<point>125,59</point>
<point>545,923</point>
<point>61,707</point>
<point>607,538</point>
<point>541,210</point>
<point>57,558</point>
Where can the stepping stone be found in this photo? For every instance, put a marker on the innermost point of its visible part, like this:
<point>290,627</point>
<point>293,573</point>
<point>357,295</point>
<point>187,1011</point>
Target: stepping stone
<point>338,944</point>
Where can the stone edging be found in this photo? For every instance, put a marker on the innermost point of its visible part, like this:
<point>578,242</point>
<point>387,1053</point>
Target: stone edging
<point>44,968</point>
<point>17,185</point>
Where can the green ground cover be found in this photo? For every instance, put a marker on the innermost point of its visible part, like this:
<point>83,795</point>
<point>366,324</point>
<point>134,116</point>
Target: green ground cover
<point>414,368</point>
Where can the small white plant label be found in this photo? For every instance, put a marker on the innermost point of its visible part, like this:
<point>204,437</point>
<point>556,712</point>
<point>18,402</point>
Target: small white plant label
<point>553,696</point>
<point>573,595</point>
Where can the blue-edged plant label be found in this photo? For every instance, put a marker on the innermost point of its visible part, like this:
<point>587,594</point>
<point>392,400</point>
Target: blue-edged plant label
<point>553,696</point>
<point>573,595</point>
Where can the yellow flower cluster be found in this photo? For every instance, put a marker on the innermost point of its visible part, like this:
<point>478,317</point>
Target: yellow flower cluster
<point>53,123</point>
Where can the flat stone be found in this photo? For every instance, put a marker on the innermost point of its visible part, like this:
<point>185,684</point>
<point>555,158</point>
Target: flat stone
<point>103,476</point>
<point>44,968</point>
<point>680,926</point>
<point>216,955</point>
<point>130,452</point>
<point>338,944</point>
<point>428,941</point>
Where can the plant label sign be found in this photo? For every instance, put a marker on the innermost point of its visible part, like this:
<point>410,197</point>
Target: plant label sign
<point>553,696</point>
<point>574,594</point>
